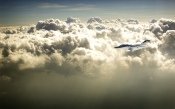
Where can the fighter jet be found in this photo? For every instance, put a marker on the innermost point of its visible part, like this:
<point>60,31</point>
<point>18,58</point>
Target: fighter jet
<point>133,47</point>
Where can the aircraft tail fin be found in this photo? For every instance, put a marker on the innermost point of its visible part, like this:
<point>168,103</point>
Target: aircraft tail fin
<point>145,41</point>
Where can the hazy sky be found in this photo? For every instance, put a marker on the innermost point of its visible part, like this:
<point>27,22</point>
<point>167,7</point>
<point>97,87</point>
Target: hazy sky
<point>22,12</point>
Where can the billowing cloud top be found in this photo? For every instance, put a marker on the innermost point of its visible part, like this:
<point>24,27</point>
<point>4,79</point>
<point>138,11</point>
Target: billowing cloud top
<point>70,63</point>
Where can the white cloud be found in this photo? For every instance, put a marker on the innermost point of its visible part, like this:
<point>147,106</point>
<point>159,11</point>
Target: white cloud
<point>67,59</point>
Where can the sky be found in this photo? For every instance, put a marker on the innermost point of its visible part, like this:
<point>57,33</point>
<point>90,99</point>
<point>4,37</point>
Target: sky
<point>22,12</point>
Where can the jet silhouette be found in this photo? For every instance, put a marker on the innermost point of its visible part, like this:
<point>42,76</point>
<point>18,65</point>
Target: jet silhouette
<point>133,47</point>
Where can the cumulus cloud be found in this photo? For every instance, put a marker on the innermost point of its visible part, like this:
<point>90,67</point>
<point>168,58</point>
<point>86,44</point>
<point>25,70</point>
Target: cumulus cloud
<point>132,21</point>
<point>168,43</point>
<point>51,24</point>
<point>72,20</point>
<point>153,21</point>
<point>161,26</point>
<point>10,31</point>
<point>95,19</point>
<point>70,64</point>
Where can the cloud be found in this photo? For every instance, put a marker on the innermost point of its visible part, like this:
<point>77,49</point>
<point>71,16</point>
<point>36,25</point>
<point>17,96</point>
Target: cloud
<point>168,46</point>
<point>135,28</point>
<point>10,31</point>
<point>95,19</point>
<point>50,5</point>
<point>52,24</point>
<point>161,26</point>
<point>81,7</point>
<point>167,24</point>
<point>78,7</point>
<point>5,79</point>
<point>153,21</point>
<point>132,21</point>
<point>70,64</point>
<point>72,20</point>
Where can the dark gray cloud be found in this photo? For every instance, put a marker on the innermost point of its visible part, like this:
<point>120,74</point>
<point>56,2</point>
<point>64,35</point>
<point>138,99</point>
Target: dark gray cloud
<point>153,21</point>
<point>168,43</point>
<point>58,64</point>
<point>133,21</point>
<point>95,19</point>
<point>72,20</point>
<point>167,24</point>
<point>161,26</point>
<point>51,24</point>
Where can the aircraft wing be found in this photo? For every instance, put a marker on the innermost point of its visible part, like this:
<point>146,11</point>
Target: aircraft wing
<point>137,47</point>
<point>134,47</point>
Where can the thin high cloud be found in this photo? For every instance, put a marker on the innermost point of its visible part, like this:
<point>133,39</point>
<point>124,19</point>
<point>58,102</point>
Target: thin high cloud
<point>78,7</point>
<point>50,5</point>
<point>81,9</point>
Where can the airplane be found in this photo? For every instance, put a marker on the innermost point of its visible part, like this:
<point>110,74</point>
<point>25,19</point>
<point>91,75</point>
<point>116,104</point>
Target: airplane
<point>133,47</point>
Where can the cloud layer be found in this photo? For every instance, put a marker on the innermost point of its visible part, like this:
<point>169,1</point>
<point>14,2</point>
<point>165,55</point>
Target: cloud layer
<point>70,64</point>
